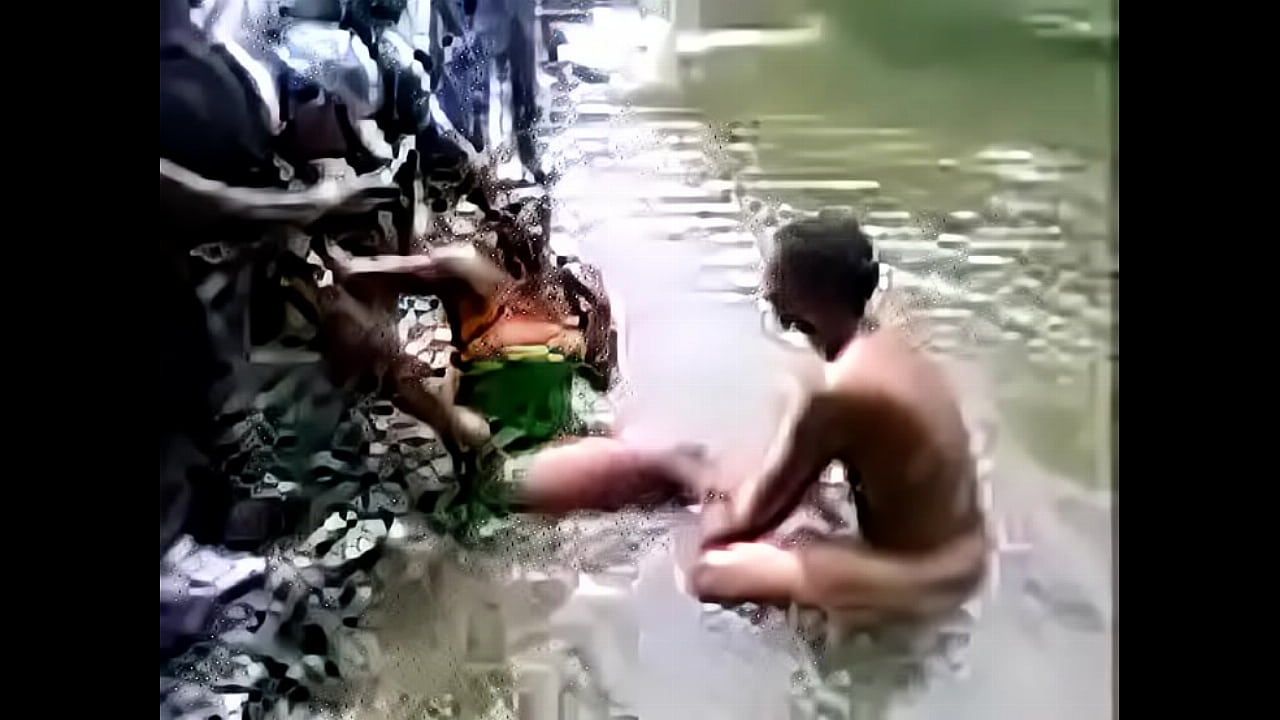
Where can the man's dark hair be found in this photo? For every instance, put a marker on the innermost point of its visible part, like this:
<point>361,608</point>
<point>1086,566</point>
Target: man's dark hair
<point>829,259</point>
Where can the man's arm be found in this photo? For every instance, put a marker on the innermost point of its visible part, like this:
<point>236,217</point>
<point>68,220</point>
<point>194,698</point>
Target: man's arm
<point>201,199</point>
<point>458,262</point>
<point>358,342</point>
<point>435,405</point>
<point>795,461</point>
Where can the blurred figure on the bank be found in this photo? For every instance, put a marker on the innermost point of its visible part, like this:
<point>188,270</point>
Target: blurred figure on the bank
<point>505,31</point>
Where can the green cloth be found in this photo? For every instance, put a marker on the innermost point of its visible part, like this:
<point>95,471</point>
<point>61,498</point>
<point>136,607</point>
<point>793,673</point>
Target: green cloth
<point>527,397</point>
<point>533,396</point>
<point>475,511</point>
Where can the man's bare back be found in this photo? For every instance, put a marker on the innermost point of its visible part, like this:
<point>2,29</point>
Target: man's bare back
<point>912,465</point>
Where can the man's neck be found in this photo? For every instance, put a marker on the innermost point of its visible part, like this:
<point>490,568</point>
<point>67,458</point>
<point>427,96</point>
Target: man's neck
<point>845,338</point>
<point>858,329</point>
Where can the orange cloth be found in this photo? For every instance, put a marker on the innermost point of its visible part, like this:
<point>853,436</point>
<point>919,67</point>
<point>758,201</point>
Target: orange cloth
<point>510,318</point>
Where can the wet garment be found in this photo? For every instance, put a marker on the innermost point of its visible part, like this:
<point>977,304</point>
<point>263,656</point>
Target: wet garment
<point>530,392</point>
<point>513,317</point>
<point>531,402</point>
<point>478,508</point>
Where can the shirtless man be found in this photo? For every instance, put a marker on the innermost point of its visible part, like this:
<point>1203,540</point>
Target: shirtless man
<point>882,409</point>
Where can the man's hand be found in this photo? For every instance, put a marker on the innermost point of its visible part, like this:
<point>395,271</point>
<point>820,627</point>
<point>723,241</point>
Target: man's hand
<point>793,465</point>
<point>749,572</point>
<point>431,401</point>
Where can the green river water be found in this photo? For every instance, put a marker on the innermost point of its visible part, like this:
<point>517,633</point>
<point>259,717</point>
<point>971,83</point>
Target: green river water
<point>1001,108</point>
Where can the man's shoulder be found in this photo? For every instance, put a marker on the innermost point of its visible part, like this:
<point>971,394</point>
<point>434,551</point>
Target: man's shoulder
<point>847,400</point>
<point>859,375</point>
<point>878,375</point>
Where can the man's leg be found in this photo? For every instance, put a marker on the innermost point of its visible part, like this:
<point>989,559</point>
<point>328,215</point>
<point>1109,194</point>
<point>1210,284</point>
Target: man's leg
<point>606,474</point>
<point>522,62</point>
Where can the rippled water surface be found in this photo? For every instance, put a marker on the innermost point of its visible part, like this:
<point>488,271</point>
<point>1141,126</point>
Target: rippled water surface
<point>979,107</point>
<point>973,140</point>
